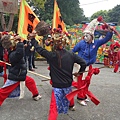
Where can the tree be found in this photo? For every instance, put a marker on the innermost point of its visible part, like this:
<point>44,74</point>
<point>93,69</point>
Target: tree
<point>114,14</point>
<point>15,23</point>
<point>39,3</point>
<point>103,13</point>
<point>70,11</point>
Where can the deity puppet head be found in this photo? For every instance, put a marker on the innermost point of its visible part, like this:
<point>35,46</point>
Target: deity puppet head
<point>90,29</point>
<point>9,41</point>
<point>60,39</point>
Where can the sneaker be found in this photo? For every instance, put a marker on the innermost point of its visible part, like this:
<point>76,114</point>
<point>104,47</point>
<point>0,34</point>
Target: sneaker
<point>82,102</point>
<point>37,97</point>
<point>72,108</point>
<point>86,100</point>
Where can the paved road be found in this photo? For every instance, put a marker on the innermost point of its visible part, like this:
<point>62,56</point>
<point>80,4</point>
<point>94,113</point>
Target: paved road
<point>105,86</point>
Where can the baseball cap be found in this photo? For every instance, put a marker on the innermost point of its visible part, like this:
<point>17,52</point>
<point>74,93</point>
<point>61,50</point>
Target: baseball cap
<point>49,36</point>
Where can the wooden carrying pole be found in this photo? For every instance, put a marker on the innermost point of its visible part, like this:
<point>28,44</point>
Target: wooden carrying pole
<point>39,75</point>
<point>31,72</point>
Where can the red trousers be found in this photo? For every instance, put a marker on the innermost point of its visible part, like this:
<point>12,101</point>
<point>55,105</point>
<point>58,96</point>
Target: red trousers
<point>30,84</point>
<point>53,114</point>
<point>81,95</point>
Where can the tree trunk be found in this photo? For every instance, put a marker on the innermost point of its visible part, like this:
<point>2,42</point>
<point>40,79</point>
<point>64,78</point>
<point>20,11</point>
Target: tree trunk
<point>3,23</point>
<point>10,24</point>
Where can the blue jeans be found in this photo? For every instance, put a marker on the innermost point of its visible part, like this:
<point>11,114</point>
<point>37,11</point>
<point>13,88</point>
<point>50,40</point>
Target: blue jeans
<point>28,60</point>
<point>1,74</point>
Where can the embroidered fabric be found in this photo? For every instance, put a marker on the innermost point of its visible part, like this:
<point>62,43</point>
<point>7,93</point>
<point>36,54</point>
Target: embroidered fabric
<point>16,92</point>
<point>61,100</point>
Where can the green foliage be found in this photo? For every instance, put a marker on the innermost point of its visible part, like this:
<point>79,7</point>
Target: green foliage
<point>114,14</point>
<point>71,11</point>
<point>103,13</point>
<point>39,3</point>
<point>15,23</point>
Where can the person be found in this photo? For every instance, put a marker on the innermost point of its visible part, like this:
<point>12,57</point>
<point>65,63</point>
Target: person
<point>118,56</point>
<point>106,55</point>
<point>1,56</point>
<point>87,48</point>
<point>17,71</point>
<point>115,56</point>
<point>49,43</point>
<point>32,52</point>
<point>61,64</point>
<point>28,52</point>
<point>33,58</point>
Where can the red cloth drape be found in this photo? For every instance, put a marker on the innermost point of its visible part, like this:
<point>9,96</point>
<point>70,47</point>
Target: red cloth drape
<point>83,85</point>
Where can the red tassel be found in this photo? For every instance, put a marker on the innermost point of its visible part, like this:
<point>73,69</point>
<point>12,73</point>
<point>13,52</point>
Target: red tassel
<point>4,33</point>
<point>72,94</point>
<point>48,68</point>
<point>87,78</point>
<point>4,68</point>
<point>96,71</point>
<point>90,67</point>
<point>116,68</point>
<point>106,26</point>
<point>103,27</point>
<point>93,98</point>
<point>100,18</point>
<point>75,84</point>
<point>51,82</point>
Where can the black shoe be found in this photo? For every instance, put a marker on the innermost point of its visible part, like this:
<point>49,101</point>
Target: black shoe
<point>72,108</point>
<point>35,67</point>
<point>31,70</point>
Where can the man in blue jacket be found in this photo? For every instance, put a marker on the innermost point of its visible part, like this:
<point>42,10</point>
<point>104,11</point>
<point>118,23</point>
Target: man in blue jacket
<point>87,48</point>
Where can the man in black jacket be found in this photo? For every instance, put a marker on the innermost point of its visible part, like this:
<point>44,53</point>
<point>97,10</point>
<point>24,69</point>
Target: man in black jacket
<point>28,52</point>
<point>61,64</point>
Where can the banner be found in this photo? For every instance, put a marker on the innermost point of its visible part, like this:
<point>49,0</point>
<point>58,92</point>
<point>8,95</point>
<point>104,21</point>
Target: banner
<point>27,20</point>
<point>57,19</point>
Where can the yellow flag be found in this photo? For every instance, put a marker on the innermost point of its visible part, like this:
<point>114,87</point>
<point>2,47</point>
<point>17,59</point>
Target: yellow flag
<point>27,20</point>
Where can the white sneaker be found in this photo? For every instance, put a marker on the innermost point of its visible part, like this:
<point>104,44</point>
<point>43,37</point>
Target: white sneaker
<point>82,102</point>
<point>86,100</point>
<point>37,97</point>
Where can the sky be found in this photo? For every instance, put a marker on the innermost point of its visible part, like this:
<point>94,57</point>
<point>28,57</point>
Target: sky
<point>92,6</point>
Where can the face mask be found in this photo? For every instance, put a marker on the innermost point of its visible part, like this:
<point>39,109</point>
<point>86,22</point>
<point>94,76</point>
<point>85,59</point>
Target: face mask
<point>87,37</point>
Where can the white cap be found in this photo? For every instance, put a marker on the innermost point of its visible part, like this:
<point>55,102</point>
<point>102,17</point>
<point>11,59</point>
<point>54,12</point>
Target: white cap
<point>49,36</point>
